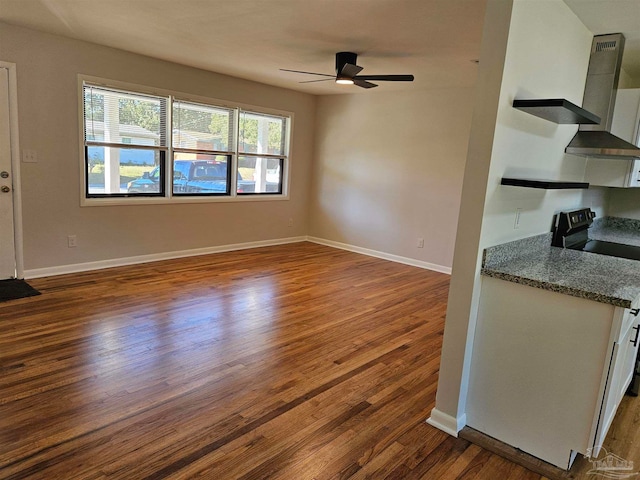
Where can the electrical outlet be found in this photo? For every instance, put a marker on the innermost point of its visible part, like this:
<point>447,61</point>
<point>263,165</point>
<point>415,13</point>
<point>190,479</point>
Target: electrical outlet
<point>516,222</point>
<point>420,243</point>
<point>72,241</point>
<point>29,156</point>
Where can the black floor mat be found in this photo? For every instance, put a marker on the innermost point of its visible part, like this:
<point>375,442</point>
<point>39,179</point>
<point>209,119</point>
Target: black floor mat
<point>13,288</point>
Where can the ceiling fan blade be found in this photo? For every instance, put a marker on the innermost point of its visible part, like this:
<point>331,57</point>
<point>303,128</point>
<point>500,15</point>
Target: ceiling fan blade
<point>387,78</point>
<point>308,73</point>
<point>350,70</point>
<point>321,80</point>
<point>347,71</point>
<point>363,83</point>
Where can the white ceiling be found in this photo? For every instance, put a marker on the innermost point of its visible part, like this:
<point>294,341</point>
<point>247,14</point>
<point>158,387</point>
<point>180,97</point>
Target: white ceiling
<point>614,16</point>
<point>435,40</point>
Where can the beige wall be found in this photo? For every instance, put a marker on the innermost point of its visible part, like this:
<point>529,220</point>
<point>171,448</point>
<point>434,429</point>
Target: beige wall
<point>389,171</point>
<point>547,53</point>
<point>47,70</point>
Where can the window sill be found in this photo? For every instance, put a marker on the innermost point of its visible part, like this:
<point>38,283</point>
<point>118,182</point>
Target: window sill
<point>129,201</point>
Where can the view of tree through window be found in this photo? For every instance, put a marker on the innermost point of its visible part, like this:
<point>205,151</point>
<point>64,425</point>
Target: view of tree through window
<point>202,127</point>
<point>261,133</point>
<point>128,144</point>
<point>264,137</point>
<point>200,133</point>
<point>130,111</point>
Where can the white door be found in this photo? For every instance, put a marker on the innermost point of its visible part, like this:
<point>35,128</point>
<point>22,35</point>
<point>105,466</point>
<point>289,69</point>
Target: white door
<point>7,242</point>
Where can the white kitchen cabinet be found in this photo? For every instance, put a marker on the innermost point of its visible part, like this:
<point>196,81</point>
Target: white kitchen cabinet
<point>620,373</point>
<point>548,370</point>
<point>626,115</point>
<point>621,173</point>
<point>605,172</point>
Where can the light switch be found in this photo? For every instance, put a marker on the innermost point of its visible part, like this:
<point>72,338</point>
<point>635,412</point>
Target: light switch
<point>29,156</point>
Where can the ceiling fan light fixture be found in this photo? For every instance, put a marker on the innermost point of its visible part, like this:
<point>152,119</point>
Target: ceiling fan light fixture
<point>348,73</point>
<point>344,80</point>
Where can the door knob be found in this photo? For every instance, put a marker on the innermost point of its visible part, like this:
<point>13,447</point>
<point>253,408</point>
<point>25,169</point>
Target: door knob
<point>4,174</point>
<point>5,189</point>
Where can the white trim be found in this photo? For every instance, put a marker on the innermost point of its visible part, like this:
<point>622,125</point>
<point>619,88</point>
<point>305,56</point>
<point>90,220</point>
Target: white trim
<point>15,167</point>
<point>174,200</point>
<point>81,127</point>
<point>179,95</point>
<point>447,423</point>
<point>171,96</point>
<point>385,256</point>
<point>154,257</point>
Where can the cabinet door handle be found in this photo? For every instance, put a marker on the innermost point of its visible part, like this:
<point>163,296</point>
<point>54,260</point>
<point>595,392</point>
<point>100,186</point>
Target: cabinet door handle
<point>635,311</point>
<point>635,340</point>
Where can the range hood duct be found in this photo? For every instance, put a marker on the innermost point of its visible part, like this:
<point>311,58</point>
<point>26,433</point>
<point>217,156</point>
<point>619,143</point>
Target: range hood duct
<point>600,98</point>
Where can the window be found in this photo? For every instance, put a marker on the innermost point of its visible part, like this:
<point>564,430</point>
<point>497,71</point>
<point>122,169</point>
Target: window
<point>125,143</point>
<point>138,144</point>
<point>261,152</point>
<point>202,149</point>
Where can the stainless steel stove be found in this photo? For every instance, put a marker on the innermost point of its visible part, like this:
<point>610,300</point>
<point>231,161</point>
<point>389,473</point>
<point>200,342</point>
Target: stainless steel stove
<point>571,230</point>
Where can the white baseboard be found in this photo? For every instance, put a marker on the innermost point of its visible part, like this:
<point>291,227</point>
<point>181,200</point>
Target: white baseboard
<point>154,257</point>
<point>446,423</point>
<point>385,256</point>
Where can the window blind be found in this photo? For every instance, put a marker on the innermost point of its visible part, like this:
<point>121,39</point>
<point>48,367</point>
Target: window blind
<point>117,117</point>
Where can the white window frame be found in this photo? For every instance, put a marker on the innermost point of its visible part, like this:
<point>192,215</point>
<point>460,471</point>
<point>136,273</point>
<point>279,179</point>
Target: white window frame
<point>169,198</point>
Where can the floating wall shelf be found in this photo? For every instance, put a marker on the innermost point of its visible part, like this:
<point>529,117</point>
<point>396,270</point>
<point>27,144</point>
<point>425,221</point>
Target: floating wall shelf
<point>557,110</point>
<point>543,184</point>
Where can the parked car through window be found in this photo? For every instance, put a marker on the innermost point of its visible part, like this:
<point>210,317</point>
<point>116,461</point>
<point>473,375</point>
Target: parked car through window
<point>133,148</point>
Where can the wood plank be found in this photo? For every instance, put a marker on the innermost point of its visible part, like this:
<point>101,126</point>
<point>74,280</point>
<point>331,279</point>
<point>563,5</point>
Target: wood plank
<point>287,362</point>
<point>513,454</point>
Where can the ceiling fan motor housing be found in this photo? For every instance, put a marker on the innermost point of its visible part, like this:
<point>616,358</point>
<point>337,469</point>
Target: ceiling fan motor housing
<point>342,58</point>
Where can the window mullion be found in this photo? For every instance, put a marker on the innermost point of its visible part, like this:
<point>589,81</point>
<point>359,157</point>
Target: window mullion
<point>168,168</point>
<point>235,153</point>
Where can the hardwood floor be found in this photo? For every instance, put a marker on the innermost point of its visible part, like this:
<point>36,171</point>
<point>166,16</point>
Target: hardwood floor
<point>290,362</point>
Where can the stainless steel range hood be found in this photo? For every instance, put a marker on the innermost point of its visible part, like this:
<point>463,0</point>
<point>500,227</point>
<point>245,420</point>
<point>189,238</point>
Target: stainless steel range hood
<point>600,98</point>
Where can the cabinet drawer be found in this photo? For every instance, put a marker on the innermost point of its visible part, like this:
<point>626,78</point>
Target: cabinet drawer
<point>627,323</point>
<point>629,316</point>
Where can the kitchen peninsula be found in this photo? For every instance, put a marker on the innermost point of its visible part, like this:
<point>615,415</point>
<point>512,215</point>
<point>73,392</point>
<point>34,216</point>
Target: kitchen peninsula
<point>555,344</point>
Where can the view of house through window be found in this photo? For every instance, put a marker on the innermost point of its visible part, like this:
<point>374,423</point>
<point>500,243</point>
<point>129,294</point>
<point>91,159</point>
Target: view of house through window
<point>202,149</point>
<point>131,151</point>
<point>125,139</point>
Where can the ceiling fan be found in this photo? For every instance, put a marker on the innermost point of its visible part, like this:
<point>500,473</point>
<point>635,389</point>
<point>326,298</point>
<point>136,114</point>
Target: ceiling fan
<point>347,73</point>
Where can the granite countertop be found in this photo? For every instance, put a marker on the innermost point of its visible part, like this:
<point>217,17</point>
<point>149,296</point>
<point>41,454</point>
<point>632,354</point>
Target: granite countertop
<point>617,230</point>
<point>533,261</point>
